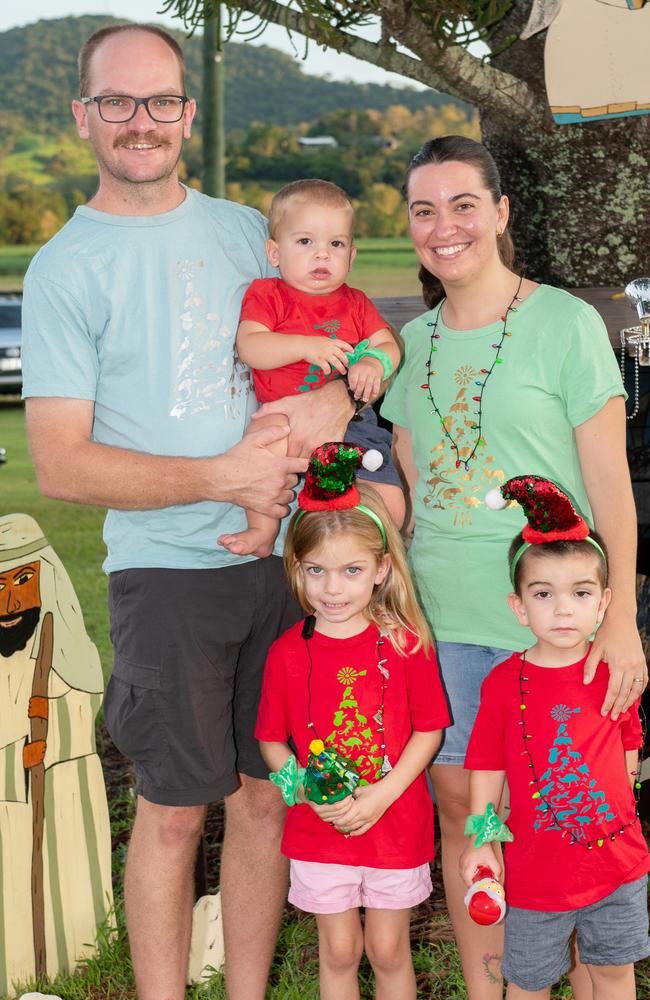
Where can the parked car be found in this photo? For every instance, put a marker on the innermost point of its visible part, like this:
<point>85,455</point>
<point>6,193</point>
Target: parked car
<point>11,376</point>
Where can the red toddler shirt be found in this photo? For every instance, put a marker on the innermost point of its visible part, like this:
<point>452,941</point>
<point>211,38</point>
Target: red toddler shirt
<point>346,314</point>
<point>579,760</point>
<point>345,695</point>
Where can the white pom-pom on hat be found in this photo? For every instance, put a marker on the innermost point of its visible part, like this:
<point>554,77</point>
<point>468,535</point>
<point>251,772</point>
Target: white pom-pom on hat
<point>495,500</point>
<point>373,460</point>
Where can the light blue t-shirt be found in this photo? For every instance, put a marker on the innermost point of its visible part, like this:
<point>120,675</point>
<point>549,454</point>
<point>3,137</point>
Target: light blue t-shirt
<point>139,314</point>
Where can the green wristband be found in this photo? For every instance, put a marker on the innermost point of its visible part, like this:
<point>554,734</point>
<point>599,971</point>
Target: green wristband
<point>288,779</point>
<point>362,351</point>
<point>487,827</point>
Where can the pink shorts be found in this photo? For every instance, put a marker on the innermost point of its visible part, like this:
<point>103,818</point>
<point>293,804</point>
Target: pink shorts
<point>323,888</point>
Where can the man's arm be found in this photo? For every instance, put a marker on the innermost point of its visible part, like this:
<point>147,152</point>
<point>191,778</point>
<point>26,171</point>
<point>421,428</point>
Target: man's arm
<point>71,466</point>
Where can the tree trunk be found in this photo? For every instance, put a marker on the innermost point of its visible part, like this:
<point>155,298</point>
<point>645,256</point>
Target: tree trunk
<point>579,194</point>
<point>213,134</point>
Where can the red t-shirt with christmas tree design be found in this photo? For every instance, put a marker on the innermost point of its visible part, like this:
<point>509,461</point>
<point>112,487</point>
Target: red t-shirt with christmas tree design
<point>346,314</point>
<point>578,757</point>
<point>346,687</point>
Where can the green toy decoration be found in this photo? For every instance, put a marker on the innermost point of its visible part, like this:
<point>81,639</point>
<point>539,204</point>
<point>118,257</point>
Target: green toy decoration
<point>288,778</point>
<point>329,777</point>
<point>487,827</point>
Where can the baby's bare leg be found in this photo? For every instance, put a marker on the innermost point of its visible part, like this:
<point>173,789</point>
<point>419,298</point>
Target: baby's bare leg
<point>260,535</point>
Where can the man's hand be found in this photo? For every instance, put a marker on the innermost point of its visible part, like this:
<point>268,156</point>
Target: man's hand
<point>617,642</point>
<point>314,417</point>
<point>365,378</point>
<point>327,353</point>
<point>251,476</point>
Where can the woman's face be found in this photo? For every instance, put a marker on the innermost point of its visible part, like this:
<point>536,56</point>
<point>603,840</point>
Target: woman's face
<point>454,221</point>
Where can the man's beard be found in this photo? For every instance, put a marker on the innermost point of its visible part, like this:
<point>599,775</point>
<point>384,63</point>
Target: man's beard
<point>17,636</point>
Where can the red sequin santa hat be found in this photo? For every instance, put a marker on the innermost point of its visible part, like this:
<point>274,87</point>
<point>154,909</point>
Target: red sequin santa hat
<point>550,513</point>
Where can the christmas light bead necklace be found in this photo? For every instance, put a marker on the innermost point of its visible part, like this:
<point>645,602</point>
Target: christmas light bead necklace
<point>378,717</point>
<point>481,382</point>
<point>534,781</point>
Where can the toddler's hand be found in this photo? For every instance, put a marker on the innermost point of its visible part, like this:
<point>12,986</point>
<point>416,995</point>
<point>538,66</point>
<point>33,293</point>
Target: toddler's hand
<point>327,353</point>
<point>473,857</point>
<point>365,378</point>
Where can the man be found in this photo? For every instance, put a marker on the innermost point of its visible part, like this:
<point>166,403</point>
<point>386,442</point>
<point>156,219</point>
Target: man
<point>55,840</point>
<point>136,402</point>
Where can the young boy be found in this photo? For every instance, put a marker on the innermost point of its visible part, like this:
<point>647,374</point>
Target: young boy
<point>578,860</point>
<point>301,330</point>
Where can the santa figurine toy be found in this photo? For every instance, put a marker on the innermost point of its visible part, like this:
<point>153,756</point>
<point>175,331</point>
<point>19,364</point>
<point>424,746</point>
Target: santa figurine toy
<point>485,899</point>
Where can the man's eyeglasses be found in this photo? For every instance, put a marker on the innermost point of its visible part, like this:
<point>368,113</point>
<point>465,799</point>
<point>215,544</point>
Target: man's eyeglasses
<point>116,108</point>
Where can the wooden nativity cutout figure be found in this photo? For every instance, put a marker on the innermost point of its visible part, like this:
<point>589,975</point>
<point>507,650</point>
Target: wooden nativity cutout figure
<point>595,57</point>
<point>55,848</point>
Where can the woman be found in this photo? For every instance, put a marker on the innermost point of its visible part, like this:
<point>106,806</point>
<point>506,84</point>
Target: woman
<point>503,376</point>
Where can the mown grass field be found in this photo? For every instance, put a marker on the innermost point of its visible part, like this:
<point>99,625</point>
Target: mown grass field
<point>382,267</point>
<point>75,532</point>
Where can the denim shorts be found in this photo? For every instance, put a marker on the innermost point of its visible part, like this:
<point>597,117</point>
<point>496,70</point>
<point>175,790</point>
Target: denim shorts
<point>365,430</point>
<point>463,668</point>
<point>613,931</point>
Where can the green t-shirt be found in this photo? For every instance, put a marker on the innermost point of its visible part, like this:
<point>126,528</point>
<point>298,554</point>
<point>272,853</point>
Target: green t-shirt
<point>558,370</point>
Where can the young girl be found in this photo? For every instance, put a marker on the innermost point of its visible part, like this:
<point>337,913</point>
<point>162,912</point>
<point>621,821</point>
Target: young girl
<point>358,677</point>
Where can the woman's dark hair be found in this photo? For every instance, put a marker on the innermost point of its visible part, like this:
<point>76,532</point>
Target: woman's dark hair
<point>460,149</point>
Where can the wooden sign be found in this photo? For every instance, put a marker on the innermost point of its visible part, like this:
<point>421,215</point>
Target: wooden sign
<point>55,849</point>
<point>595,57</point>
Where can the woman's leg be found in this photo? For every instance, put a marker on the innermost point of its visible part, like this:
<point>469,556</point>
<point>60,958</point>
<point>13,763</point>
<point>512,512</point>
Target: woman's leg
<point>388,947</point>
<point>481,948</point>
<point>340,942</point>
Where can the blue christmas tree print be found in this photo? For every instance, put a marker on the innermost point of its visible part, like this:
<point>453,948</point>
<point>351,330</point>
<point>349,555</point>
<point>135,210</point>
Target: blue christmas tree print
<point>569,796</point>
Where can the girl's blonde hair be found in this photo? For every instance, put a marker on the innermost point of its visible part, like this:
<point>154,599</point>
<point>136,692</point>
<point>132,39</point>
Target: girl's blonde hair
<point>393,606</point>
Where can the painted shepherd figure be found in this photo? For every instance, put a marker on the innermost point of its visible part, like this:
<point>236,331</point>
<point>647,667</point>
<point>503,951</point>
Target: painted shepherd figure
<point>595,57</point>
<point>55,850</point>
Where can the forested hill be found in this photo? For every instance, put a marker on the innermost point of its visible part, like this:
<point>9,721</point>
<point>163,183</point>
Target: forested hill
<point>38,76</point>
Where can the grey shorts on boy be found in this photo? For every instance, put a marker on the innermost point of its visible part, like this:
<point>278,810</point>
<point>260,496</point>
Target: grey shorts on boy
<point>613,931</point>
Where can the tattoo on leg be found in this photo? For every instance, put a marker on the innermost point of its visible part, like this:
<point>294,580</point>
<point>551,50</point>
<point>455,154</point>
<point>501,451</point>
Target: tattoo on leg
<point>492,966</point>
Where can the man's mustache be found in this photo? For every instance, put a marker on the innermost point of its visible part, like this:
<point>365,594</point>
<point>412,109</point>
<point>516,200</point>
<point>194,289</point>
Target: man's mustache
<point>134,137</point>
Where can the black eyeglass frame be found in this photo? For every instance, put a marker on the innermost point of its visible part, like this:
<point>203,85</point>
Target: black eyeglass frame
<point>138,101</point>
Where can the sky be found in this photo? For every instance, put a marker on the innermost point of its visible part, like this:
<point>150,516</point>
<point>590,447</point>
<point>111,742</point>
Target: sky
<point>320,62</point>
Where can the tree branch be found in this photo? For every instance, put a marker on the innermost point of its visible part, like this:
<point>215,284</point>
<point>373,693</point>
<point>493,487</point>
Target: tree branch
<point>451,70</point>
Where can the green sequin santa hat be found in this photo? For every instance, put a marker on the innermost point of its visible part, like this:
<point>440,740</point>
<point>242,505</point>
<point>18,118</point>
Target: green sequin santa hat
<point>330,480</point>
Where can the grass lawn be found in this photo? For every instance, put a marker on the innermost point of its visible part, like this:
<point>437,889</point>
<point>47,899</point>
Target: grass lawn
<point>382,267</point>
<point>75,533</point>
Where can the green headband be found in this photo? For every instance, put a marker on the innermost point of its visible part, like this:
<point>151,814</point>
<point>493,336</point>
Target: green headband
<point>528,545</point>
<point>364,510</point>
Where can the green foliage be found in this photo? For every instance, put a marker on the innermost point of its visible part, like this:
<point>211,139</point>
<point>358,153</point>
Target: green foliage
<point>262,84</point>
<point>47,171</point>
<point>449,22</point>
